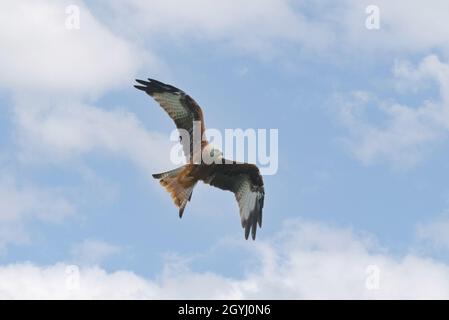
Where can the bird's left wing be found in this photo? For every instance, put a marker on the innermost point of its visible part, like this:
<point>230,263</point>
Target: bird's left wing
<point>181,108</point>
<point>245,181</point>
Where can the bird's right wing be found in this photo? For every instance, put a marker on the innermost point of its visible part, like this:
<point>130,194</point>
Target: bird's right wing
<point>181,108</point>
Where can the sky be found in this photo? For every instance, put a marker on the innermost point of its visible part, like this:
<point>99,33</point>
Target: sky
<point>359,94</point>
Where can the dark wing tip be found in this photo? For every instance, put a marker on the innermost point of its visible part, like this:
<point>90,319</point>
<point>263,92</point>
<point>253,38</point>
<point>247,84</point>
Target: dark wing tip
<point>156,82</point>
<point>152,86</point>
<point>254,228</point>
<point>247,229</point>
<point>259,208</point>
<point>143,82</point>
<point>181,212</point>
<point>144,86</point>
<point>250,226</point>
<point>149,87</point>
<point>255,218</point>
<point>140,87</point>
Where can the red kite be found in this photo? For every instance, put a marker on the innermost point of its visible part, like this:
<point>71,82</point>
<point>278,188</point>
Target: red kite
<point>243,179</point>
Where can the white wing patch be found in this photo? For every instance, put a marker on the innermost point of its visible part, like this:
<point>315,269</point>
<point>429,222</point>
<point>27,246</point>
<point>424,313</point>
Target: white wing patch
<point>172,104</point>
<point>250,204</point>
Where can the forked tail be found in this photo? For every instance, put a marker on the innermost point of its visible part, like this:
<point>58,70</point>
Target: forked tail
<point>179,184</point>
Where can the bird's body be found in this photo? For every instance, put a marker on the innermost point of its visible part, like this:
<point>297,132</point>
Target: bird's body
<point>243,179</point>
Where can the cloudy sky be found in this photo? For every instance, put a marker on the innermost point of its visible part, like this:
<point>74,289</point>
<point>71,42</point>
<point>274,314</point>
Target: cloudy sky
<point>359,207</point>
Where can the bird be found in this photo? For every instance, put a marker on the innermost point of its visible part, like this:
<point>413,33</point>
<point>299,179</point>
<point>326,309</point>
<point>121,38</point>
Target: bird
<point>242,179</point>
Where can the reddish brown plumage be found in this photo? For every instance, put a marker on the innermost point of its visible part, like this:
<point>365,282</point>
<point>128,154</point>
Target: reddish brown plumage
<point>178,184</point>
<point>243,179</point>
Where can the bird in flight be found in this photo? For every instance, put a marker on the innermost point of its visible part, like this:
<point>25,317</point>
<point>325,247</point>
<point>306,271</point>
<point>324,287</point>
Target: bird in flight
<point>243,179</point>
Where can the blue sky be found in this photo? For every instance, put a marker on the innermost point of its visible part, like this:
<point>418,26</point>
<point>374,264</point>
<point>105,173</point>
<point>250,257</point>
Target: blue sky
<point>363,132</point>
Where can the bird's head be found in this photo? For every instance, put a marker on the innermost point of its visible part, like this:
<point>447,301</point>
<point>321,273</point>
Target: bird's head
<point>212,155</point>
<point>216,153</point>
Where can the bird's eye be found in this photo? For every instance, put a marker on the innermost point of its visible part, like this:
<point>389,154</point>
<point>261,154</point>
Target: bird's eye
<point>212,153</point>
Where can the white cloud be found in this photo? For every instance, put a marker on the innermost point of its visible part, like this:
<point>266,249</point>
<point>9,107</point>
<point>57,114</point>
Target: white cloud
<point>59,68</point>
<point>22,203</point>
<point>50,71</point>
<point>435,233</point>
<point>405,26</point>
<point>17,201</point>
<point>61,132</point>
<point>263,27</point>
<point>94,59</point>
<point>39,54</point>
<point>403,132</point>
<point>60,282</point>
<point>93,252</point>
<point>306,260</point>
<point>309,260</point>
<point>256,26</point>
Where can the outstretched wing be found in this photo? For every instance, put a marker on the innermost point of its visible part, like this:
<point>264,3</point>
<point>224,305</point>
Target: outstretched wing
<point>245,181</point>
<point>179,106</point>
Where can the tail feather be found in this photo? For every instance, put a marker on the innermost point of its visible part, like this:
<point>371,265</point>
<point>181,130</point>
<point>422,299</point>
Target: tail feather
<point>188,196</point>
<point>179,184</point>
